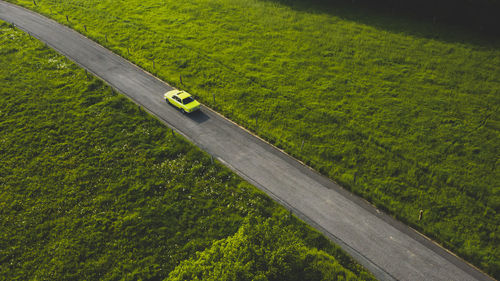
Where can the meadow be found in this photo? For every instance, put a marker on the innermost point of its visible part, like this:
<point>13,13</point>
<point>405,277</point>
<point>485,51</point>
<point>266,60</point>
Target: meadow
<point>94,188</point>
<point>401,112</point>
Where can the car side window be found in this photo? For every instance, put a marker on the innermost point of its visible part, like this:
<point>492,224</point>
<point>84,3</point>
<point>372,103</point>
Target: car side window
<point>176,98</point>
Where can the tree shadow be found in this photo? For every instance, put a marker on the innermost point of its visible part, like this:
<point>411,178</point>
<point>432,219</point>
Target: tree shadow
<point>399,21</point>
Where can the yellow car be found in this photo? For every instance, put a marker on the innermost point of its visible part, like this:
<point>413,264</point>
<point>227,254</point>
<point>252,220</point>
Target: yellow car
<point>182,100</point>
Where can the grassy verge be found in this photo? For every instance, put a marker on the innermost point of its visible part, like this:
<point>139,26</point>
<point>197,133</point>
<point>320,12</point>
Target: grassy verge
<point>404,114</point>
<point>93,188</point>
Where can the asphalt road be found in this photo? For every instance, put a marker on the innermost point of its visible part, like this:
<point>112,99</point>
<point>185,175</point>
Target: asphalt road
<point>389,249</point>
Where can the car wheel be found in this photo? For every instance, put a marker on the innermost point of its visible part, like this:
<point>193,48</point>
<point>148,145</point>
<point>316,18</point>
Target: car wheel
<point>183,111</point>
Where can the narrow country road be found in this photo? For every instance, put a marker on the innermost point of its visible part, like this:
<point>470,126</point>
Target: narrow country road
<point>386,247</point>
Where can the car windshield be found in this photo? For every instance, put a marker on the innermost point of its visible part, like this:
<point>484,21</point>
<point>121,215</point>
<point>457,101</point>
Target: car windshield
<point>187,100</point>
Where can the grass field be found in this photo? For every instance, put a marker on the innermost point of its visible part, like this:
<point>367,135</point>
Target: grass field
<point>403,113</point>
<point>93,188</point>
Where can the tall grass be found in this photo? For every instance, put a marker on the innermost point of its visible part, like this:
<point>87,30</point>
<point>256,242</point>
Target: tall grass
<point>403,113</point>
<point>93,188</point>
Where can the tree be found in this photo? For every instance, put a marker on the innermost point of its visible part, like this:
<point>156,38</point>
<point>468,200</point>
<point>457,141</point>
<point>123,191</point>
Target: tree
<point>261,250</point>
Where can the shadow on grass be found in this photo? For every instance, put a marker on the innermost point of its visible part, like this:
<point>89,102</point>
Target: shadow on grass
<point>402,22</point>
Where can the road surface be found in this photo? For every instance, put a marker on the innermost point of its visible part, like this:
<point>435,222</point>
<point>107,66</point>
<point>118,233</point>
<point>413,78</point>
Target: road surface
<point>386,247</point>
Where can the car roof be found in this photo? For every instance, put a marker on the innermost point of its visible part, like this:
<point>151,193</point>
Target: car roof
<point>183,95</point>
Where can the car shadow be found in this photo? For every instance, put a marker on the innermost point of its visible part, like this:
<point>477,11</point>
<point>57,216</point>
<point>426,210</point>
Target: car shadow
<point>198,116</point>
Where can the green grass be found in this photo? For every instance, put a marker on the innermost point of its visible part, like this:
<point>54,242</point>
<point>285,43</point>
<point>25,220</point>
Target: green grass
<point>93,188</point>
<point>403,113</point>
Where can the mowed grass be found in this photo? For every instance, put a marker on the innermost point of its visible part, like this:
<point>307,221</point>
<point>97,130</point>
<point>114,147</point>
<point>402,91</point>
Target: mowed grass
<point>93,188</point>
<point>403,113</point>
